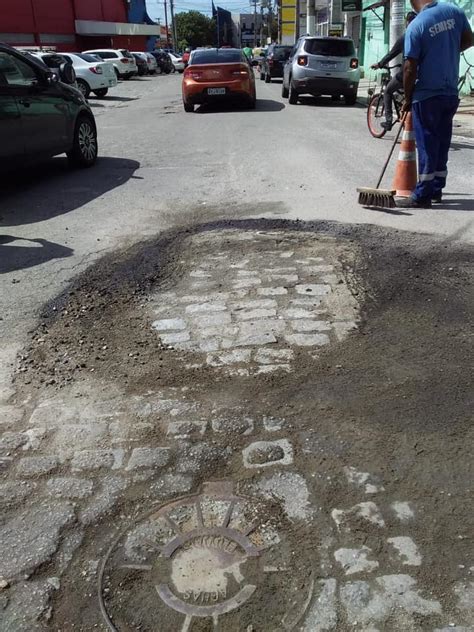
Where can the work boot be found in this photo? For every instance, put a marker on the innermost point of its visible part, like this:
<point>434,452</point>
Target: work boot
<point>437,198</point>
<point>411,202</point>
<point>387,125</point>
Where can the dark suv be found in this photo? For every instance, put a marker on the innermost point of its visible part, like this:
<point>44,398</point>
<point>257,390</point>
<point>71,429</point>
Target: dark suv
<point>40,114</point>
<point>272,64</point>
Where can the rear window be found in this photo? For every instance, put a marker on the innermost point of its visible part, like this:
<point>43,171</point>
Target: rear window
<point>53,61</point>
<point>105,54</point>
<point>126,53</point>
<point>330,47</point>
<point>221,56</point>
<point>281,53</point>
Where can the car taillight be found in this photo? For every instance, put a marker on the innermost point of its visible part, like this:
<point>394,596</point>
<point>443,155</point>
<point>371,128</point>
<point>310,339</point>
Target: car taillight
<point>243,70</point>
<point>270,62</point>
<point>124,60</point>
<point>194,74</point>
<point>354,63</point>
<point>97,70</point>
<point>302,60</point>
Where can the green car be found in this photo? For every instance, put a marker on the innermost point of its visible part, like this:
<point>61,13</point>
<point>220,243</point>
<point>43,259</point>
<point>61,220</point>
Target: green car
<point>41,113</point>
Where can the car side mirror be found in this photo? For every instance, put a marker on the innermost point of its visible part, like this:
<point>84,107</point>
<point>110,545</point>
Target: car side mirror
<point>67,74</point>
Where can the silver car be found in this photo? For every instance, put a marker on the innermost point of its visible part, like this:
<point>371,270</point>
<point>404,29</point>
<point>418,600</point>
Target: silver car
<point>322,66</point>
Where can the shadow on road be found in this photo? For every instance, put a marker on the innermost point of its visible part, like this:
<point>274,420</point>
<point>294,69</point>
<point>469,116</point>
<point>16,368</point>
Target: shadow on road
<point>26,253</point>
<point>120,99</point>
<point>328,102</point>
<point>29,200</point>
<point>263,105</point>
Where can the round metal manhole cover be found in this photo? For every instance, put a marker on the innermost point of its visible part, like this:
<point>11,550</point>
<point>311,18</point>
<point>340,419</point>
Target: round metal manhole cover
<point>211,561</point>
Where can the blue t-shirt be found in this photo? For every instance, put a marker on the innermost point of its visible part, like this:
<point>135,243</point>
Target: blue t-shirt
<point>434,39</point>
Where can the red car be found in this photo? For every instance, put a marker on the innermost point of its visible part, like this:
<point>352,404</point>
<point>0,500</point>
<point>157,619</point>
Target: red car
<point>218,74</point>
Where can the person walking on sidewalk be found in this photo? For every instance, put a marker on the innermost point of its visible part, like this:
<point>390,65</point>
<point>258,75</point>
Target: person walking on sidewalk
<point>433,44</point>
<point>396,82</point>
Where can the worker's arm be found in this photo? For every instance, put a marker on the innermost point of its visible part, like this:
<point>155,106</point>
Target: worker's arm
<point>466,39</point>
<point>410,72</point>
<point>396,49</point>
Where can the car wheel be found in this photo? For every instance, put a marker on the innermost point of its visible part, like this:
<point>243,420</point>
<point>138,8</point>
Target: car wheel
<point>292,94</point>
<point>284,90</point>
<point>351,99</point>
<point>252,102</point>
<point>101,93</point>
<point>268,78</point>
<point>117,74</point>
<point>127,77</point>
<point>84,88</point>
<point>84,149</point>
<point>262,76</point>
<point>188,107</point>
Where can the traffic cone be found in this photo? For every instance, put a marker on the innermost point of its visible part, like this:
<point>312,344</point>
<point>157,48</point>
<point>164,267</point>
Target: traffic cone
<point>406,176</point>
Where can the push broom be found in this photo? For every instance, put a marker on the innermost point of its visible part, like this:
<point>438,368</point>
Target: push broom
<point>381,197</point>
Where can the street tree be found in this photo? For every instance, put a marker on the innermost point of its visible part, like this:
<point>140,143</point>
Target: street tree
<point>194,29</point>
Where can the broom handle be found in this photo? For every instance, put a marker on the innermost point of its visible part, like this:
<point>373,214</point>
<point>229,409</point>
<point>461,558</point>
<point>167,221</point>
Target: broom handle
<point>402,123</point>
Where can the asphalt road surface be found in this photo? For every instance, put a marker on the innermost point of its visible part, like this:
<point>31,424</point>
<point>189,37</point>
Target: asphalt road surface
<point>231,399</point>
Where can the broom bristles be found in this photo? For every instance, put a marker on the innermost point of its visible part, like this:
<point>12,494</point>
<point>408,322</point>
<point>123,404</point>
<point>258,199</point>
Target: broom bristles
<point>381,198</point>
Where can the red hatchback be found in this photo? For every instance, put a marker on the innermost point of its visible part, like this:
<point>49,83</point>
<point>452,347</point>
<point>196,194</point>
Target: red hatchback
<point>217,74</point>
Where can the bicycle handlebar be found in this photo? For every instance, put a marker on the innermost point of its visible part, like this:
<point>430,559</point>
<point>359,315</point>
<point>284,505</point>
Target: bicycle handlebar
<point>464,56</point>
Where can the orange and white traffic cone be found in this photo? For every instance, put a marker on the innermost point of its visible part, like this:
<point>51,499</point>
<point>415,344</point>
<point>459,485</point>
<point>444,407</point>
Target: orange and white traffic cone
<point>406,177</point>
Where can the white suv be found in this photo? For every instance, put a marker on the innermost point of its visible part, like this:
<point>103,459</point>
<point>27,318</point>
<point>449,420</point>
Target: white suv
<point>122,59</point>
<point>92,75</point>
<point>322,66</point>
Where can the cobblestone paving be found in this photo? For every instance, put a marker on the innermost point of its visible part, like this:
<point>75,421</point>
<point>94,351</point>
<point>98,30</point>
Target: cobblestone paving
<point>247,310</point>
<point>78,467</point>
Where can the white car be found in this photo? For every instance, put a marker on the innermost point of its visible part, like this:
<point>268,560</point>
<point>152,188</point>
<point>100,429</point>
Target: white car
<point>52,60</point>
<point>124,63</point>
<point>92,75</point>
<point>151,62</point>
<point>178,63</point>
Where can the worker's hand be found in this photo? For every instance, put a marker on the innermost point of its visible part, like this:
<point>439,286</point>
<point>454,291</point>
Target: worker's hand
<point>406,106</point>
<point>375,66</point>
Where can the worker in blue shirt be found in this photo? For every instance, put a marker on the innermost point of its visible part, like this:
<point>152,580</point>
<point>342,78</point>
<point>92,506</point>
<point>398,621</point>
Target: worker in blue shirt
<point>433,44</point>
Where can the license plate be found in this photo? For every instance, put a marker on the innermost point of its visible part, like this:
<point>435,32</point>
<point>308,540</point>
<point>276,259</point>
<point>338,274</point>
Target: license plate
<point>329,65</point>
<point>216,91</point>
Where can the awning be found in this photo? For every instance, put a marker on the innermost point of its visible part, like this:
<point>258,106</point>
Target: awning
<point>376,5</point>
<point>91,27</point>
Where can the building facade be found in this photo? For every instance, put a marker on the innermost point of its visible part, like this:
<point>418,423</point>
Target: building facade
<point>247,29</point>
<point>71,25</point>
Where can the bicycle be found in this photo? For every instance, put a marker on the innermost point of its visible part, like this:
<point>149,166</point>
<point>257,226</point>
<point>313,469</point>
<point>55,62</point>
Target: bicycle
<point>375,108</point>
<point>463,78</point>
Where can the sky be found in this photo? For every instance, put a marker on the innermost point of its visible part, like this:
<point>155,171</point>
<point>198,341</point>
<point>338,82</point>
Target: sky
<point>156,7</point>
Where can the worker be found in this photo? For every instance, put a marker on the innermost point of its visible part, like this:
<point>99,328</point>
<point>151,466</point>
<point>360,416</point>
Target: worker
<point>396,82</point>
<point>433,44</point>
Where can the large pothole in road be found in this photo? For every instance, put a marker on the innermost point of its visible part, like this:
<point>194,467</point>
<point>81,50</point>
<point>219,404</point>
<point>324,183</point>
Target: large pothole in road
<point>233,388</point>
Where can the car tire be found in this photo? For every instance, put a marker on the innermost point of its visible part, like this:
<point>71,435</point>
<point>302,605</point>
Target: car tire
<point>84,88</point>
<point>117,74</point>
<point>84,148</point>
<point>284,90</point>
<point>127,77</point>
<point>351,99</point>
<point>252,102</point>
<point>268,78</point>
<point>262,76</point>
<point>101,93</point>
<point>292,94</point>
<point>188,107</point>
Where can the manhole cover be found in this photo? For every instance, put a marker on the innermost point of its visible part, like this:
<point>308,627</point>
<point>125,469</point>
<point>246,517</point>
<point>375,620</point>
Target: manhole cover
<point>212,561</point>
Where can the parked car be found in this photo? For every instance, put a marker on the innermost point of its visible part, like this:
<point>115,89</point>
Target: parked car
<point>217,74</point>
<point>41,113</point>
<point>178,63</point>
<point>322,66</point>
<point>274,61</point>
<point>51,60</point>
<point>142,66</point>
<point>91,75</point>
<point>163,60</point>
<point>122,59</point>
<point>150,61</point>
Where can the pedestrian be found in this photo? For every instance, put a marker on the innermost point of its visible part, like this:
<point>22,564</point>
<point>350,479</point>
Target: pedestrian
<point>248,52</point>
<point>433,44</point>
<point>185,57</point>
<point>396,82</point>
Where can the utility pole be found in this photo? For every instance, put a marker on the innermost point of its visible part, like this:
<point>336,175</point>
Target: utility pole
<point>255,23</point>
<point>310,17</point>
<point>166,25</point>
<point>173,26</point>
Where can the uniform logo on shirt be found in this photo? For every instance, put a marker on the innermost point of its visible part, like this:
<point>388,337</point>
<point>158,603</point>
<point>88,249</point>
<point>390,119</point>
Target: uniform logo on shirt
<point>440,27</point>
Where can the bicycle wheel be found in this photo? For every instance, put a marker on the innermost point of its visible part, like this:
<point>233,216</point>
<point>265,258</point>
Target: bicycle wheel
<point>375,116</point>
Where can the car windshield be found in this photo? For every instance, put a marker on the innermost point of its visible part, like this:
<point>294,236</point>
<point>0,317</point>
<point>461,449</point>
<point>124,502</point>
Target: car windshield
<point>217,56</point>
<point>330,47</point>
<point>104,54</point>
<point>281,52</point>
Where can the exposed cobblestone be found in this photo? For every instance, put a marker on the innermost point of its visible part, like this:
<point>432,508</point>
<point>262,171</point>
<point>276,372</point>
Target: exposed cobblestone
<point>14,492</point>
<point>12,440</point>
<point>97,459</point>
<point>36,465</point>
<point>148,457</point>
<point>70,487</point>
<point>10,415</point>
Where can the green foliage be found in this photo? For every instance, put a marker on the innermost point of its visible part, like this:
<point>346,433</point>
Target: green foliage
<point>194,29</point>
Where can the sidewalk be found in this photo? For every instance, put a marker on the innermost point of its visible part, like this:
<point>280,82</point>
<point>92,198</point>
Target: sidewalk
<point>463,121</point>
